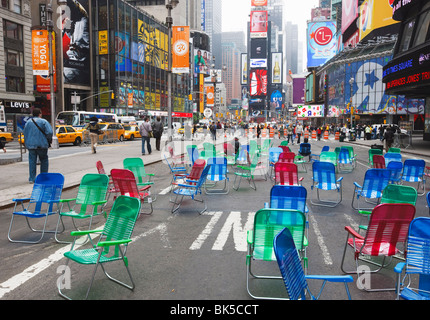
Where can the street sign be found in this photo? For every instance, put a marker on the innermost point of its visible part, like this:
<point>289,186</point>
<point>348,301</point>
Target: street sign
<point>207,113</point>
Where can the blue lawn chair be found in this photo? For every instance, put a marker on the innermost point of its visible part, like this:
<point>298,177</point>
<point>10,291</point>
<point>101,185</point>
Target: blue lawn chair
<point>345,160</point>
<point>217,173</point>
<point>305,150</point>
<point>413,171</point>
<point>417,258</point>
<point>191,189</point>
<point>375,181</point>
<point>43,202</point>
<point>295,280</point>
<point>392,156</point>
<point>428,201</point>
<point>324,178</point>
<point>193,154</point>
<point>396,170</point>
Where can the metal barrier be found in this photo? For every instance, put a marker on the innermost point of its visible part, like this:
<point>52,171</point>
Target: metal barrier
<point>108,136</point>
<point>14,150</point>
<point>402,140</point>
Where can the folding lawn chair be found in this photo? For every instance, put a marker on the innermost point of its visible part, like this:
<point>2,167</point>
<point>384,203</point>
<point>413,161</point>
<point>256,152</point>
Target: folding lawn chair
<point>388,227</point>
<point>295,279</point>
<point>267,223</point>
<point>324,178</point>
<point>378,162</point>
<point>112,245</point>
<point>372,152</point>
<point>43,202</point>
<point>89,202</point>
<point>413,172</point>
<point>217,173</point>
<point>287,174</point>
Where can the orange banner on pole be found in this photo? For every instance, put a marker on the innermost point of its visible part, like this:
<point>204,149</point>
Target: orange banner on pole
<point>210,96</point>
<point>43,82</point>
<point>181,49</point>
<point>40,52</point>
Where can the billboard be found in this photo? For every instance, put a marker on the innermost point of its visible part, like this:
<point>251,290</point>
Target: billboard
<point>180,49</point>
<point>258,49</point>
<point>312,111</point>
<point>259,23</point>
<point>374,14</point>
<point>202,59</point>
<point>321,42</point>
<point>277,67</point>
<point>349,13</point>
<point>76,43</point>
<point>258,82</point>
<point>244,69</point>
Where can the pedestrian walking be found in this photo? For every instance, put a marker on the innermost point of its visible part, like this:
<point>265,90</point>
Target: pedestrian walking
<point>299,131</point>
<point>290,134</point>
<point>258,131</point>
<point>158,132</point>
<point>38,137</point>
<point>95,130</point>
<point>145,130</point>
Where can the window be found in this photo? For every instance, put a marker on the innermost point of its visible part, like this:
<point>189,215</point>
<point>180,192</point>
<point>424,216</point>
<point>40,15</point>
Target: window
<point>15,58</point>
<point>12,30</point>
<point>408,28</point>
<point>5,4</point>
<point>15,84</point>
<point>16,6</point>
<point>422,28</point>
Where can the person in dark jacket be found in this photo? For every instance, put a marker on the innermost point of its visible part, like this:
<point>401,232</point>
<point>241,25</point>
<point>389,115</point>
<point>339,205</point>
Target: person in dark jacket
<point>389,138</point>
<point>157,129</point>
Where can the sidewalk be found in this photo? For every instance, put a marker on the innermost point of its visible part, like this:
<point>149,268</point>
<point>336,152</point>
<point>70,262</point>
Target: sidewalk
<point>14,176</point>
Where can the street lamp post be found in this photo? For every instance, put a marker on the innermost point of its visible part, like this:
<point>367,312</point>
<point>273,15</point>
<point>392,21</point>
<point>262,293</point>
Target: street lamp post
<point>50,26</point>
<point>171,4</point>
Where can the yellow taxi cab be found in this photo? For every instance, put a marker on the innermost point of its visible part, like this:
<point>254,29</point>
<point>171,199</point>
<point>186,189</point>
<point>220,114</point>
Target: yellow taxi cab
<point>65,134</point>
<point>181,130</point>
<point>68,134</point>
<point>131,131</point>
<point>120,131</point>
<point>6,136</point>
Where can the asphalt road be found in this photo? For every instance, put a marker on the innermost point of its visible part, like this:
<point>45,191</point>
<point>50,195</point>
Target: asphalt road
<point>192,257</point>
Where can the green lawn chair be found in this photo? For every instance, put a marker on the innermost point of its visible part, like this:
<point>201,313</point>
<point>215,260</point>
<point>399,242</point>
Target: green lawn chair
<point>89,202</point>
<point>112,244</point>
<point>284,143</point>
<point>394,150</point>
<point>267,223</point>
<point>137,166</point>
<point>330,156</point>
<point>246,172</point>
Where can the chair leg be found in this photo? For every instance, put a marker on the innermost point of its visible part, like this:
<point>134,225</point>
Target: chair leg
<point>42,231</point>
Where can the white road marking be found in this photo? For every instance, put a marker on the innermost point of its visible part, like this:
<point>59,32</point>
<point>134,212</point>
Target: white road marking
<point>197,244</point>
<point>321,243</point>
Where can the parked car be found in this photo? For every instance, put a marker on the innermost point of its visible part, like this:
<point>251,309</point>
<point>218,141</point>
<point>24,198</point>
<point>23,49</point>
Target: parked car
<point>131,132</point>
<point>105,126</point>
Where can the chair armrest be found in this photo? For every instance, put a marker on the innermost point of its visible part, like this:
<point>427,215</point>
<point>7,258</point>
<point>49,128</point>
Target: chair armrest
<point>186,185</point>
<point>357,185</point>
<point>250,237</point>
<point>340,179</point>
<point>301,179</point>
<point>67,200</point>
<point>399,267</point>
<point>84,232</point>
<point>330,278</point>
<point>96,203</point>
<point>21,199</point>
<point>353,233</point>
<point>150,174</point>
<point>365,212</point>
<point>145,188</point>
<point>53,201</point>
<point>112,243</point>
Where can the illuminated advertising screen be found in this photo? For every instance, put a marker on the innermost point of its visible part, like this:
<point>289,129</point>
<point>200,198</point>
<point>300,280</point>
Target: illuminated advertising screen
<point>321,42</point>
<point>258,24</point>
<point>374,14</point>
<point>258,82</point>
<point>258,3</point>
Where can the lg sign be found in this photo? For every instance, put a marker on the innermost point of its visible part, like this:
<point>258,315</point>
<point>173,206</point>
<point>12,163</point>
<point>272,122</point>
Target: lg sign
<point>323,36</point>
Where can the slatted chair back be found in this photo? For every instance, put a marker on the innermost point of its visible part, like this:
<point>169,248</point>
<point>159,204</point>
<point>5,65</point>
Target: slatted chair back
<point>372,152</point>
<point>392,156</point>
<point>305,149</point>
<point>285,148</point>
<point>286,174</point>
<point>396,170</point>
<point>378,162</point>
<point>287,157</point>
<point>218,169</point>
<point>395,193</point>
<point>375,181</point>
<point>413,170</point>
<point>388,226</point>
<point>125,183</point>
<point>288,197</point>
<point>324,175</point>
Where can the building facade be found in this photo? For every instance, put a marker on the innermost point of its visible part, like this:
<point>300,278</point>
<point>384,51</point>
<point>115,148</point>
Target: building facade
<point>16,70</point>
